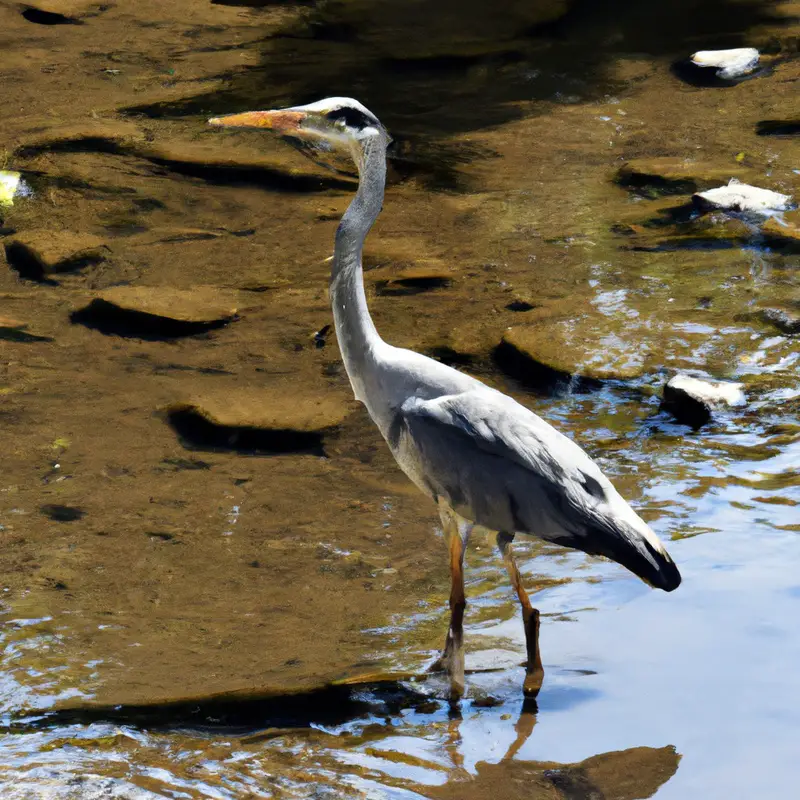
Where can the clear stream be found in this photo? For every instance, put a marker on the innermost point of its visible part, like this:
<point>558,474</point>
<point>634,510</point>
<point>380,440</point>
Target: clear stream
<point>186,615</point>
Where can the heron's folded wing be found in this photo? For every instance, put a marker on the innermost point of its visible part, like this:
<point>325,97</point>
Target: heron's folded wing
<point>496,460</point>
<point>490,423</point>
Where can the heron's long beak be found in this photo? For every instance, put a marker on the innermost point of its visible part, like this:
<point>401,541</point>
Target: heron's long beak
<point>282,121</point>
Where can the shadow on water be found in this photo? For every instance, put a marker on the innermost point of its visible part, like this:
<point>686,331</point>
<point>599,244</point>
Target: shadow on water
<point>330,561</point>
<point>368,714</point>
<point>476,71</point>
<point>245,713</point>
<point>482,65</point>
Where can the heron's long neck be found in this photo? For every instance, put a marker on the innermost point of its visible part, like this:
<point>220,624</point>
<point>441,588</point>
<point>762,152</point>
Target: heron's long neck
<point>355,330</point>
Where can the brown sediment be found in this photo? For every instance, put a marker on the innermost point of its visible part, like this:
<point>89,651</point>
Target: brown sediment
<point>163,562</point>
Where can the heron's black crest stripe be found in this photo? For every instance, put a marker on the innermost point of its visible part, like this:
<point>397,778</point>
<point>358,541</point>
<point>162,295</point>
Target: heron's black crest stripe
<point>352,117</point>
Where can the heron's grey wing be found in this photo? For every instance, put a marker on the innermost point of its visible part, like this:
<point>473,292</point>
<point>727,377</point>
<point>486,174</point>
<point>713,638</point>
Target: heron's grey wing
<point>496,462</point>
<point>503,467</point>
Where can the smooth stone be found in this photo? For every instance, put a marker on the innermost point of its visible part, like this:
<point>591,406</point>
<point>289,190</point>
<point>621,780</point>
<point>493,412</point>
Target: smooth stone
<point>409,280</point>
<point>778,127</point>
<point>67,8</point>
<point>103,135</point>
<point>785,320</point>
<point>40,252</point>
<point>17,331</point>
<point>738,196</point>
<point>532,354</point>
<point>221,154</point>
<point>674,173</point>
<point>729,64</point>
<point>201,304</point>
<point>418,272</point>
<point>691,400</point>
<point>784,228</point>
<point>270,409</point>
<point>697,233</point>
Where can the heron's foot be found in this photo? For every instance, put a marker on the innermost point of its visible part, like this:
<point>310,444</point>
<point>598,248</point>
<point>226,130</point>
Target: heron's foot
<point>534,678</point>
<point>451,662</point>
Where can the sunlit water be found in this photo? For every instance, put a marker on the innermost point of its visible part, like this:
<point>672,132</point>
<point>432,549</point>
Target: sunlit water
<point>686,695</point>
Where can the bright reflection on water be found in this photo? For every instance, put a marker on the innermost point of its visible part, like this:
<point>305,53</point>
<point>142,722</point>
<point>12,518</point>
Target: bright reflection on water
<point>505,162</point>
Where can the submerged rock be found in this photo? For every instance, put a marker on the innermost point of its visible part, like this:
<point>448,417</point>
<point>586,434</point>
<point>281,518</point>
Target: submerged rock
<point>259,420</point>
<point>158,312</point>
<point>784,319</point>
<point>536,356</point>
<point>38,253</point>
<point>738,196</point>
<point>784,230</point>
<point>13,330</point>
<point>409,280</point>
<point>691,400</point>
<point>728,64</point>
<point>670,175</point>
<point>237,163</point>
<point>704,233</point>
<point>778,127</point>
<point>70,9</point>
<point>198,304</point>
<point>105,136</point>
<point>392,28</point>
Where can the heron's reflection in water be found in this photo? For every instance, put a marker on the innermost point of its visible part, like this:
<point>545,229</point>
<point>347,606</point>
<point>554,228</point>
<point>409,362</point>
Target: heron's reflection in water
<point>475,756</point>
<point>381,738</point>
<point>637,772</point>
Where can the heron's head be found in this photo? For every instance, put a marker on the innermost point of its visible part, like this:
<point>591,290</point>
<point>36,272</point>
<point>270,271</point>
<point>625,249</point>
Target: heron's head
<point>328,128</point>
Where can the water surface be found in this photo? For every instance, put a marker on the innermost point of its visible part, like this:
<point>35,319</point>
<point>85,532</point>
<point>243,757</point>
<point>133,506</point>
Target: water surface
<point>194,618</point>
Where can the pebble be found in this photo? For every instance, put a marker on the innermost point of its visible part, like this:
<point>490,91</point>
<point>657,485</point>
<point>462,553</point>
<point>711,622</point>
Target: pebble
<point>736,196</point>
<point>778,127</point>
<point>691,400</point>
<point>17,331</point>
<point>728,64</point>
<point>72,9</point>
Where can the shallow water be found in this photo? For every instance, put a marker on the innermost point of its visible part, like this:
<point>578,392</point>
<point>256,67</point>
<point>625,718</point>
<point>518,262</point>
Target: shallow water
<point>188,613</point>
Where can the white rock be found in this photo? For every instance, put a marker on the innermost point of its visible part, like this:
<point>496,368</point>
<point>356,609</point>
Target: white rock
<point>728,63</point>
<point>691,400</point>
<point>738,196</point>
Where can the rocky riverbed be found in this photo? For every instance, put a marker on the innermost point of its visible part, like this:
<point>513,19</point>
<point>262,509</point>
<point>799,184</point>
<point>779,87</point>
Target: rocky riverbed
<point>216,582</point>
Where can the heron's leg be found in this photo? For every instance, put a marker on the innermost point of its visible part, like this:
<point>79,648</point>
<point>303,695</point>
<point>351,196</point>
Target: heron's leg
<point>452,659</point>
<point>530,618</point>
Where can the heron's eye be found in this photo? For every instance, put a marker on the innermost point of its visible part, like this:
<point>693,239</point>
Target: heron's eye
<point>592,487</point>
<point>351,117</point>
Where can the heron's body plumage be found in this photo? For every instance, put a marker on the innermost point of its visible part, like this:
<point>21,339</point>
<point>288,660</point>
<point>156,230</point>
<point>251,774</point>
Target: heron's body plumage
<point>482,456</point>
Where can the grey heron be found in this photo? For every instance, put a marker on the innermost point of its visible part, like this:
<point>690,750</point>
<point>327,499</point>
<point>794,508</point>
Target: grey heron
<point>484,458</point>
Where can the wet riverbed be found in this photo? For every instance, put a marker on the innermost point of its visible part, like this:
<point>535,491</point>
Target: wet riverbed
<point>196,610</point>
